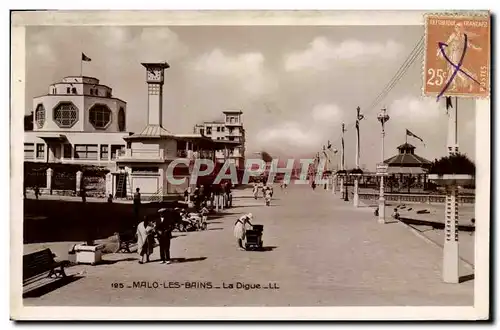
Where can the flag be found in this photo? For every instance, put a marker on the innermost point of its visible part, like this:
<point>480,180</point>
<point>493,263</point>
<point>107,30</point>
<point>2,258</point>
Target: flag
<point>449,104</point>
<point>329,145</point>
<point>86,58</point>
<point>413,135</point>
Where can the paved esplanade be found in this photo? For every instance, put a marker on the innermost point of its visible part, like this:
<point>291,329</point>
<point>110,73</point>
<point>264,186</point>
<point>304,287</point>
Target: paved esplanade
<point>321,251</point>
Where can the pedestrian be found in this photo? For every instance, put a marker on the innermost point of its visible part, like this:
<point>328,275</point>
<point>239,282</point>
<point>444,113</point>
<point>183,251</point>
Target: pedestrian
<point>395,214</point>
<point>83,195</point>
<point>37,191</point>
<point>137,203</point>
<point>164,229</point>
<point>145,239</point>
<point>313,185</point>
<point>110,198</point>
<point>268,195</point>
<point>255,190</point>
<point>240,228</point>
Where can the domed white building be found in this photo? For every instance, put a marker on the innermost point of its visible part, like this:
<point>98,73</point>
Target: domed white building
<point>78,121</point>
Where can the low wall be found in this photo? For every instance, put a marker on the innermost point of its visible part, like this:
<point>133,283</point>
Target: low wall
<point>408,198</point>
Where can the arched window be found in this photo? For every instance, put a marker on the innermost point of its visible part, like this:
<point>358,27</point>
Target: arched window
<point>65,114</point>
<point>100,116</point>
<point>121,119</point>
<point>40,115</point>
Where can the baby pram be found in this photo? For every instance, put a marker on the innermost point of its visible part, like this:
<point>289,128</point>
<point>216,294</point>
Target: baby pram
<point>254,237</point>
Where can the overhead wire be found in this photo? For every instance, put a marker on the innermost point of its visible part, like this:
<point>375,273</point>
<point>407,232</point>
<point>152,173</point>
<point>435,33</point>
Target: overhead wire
<point>410,59</point>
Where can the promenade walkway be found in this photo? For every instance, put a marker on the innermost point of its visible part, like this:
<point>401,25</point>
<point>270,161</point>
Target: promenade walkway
<point>319,251</point>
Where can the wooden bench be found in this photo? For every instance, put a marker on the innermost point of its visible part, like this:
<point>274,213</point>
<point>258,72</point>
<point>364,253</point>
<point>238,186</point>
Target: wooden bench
<point>38,263</point>
<point>125,239</point>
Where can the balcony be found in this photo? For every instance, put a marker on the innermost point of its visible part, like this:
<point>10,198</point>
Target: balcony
<point>234,133</point>
<point>233,123</point>
<point>153,155</point>
<point>189,154</point>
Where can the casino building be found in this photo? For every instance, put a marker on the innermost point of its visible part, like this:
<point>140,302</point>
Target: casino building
<point>78,121</point>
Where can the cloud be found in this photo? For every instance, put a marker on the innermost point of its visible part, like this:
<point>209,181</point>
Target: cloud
<point>105,43</point>
<point>245,72</point>
<point>322,54</point>
<point>299,137</point>
<point>326,113</point>
<point>416,109</point>
<point>288,135</point>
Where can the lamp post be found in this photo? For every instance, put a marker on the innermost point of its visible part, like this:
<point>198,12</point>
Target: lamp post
<point>334,175</point>
<point>342,164</point>
<point>359,117</point>
<point>382,117</point>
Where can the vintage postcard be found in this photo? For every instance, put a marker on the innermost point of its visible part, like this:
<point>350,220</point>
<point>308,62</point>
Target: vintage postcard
<point>250,165</point>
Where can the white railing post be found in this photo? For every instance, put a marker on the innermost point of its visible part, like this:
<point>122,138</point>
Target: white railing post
<point>109,185</point>
<point>78,181</point>
<point>49,180</point>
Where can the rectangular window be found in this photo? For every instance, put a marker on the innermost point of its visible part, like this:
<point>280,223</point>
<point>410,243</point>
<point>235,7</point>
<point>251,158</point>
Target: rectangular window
<point>223,129</point>
<point>86,151</point>
<point>67,151</point>
<point>40,151</point>
<point>73,90</point>
<point>218,128</point>
<point>202,131</point>
<point>144,169</point>
<point>29,151</point>
<point>68,90</point>
<point>116,148</point>
<point>104,152</point>
<point>209,130</point>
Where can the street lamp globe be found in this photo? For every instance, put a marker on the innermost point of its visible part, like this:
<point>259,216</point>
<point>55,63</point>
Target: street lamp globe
<point>383,117</point>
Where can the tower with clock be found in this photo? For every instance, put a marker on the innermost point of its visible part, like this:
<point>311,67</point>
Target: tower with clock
<point>154,78</point>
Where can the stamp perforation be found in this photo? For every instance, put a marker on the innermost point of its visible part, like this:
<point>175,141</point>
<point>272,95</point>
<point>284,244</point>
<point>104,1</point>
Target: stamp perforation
<point>470,15</point>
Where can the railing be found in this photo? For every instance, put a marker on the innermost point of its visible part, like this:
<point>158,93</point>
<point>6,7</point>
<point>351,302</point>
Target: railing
<point>428,199</point>
<point>156,154</point>
<point>193,154</point>
<point>120,153</point>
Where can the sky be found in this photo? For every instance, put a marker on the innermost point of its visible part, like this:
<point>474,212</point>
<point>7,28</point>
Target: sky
<point>294,84</point>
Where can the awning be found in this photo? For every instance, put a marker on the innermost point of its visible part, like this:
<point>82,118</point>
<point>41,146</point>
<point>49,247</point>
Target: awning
<point>52,137</point>
<point>405,170</point>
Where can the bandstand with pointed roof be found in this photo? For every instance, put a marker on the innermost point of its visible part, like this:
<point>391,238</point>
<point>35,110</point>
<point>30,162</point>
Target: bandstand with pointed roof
<point>407,168</point>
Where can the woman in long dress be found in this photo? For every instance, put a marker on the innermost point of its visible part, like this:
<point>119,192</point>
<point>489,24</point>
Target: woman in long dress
<point>145,239</point>
<point>240,228</point>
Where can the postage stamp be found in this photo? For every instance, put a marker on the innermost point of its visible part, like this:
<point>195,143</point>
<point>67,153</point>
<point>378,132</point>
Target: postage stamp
<point>457,56</point>
<point>245,165</point>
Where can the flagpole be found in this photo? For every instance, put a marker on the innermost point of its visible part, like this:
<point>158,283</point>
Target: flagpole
<point>456,120</point>
<point>81,67</point>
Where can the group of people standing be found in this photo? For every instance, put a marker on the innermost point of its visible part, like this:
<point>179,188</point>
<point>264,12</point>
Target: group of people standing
<point>161,229</point>
<point>267,191</point>
<point>206,195</point>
